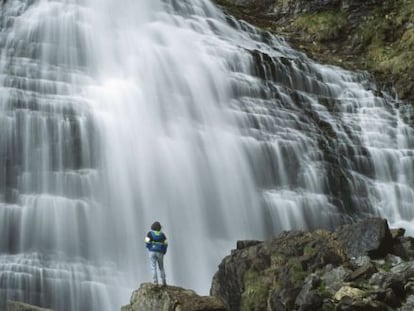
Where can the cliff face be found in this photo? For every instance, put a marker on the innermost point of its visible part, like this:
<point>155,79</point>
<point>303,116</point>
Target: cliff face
<point>358,267</point>
<point>372,35</point>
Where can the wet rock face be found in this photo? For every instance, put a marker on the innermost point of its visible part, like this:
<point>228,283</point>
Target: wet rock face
<point>20,306</point>
<point>354,268</point>
<point>151,297</point>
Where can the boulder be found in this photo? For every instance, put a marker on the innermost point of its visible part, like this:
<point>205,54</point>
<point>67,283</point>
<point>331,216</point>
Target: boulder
<point>246,243</point>
<point>397,232</point>
<point>408,304</point>
<point>20,306</point>
<point>370,237</point>
<point>308,298</point>
<point>348,291</point>
<point>403,247</point>
<point>334,278</point>
<point>150,297</point>
<point>362,272</point>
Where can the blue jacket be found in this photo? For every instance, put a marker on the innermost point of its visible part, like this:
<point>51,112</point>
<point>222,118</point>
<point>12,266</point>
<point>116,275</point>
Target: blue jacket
<point>156,241</point>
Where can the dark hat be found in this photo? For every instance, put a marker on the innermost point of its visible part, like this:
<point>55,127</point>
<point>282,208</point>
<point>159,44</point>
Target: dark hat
<point>156,226</point>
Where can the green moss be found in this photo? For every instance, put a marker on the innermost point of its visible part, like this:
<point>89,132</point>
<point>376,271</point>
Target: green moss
<point>401,62</point>
<point>324,25</point>
<point>370,31</point>
<point>297,274</point>
<point>386,266</point>
<point>407,40</point>
<point>277,260</point>
<point>379,55</point>
<point>256,291</point>
<point>323,291</point>
<point>384,37</point>
<point>308,250</point>
<point>396,58</point>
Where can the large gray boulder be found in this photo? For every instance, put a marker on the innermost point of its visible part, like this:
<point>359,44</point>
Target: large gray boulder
<point>370,237</point>
<point>150,297</point>
<point>20,306</point>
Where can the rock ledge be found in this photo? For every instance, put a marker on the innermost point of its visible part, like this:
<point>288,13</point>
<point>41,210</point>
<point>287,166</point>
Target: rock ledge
<point>150,297</point>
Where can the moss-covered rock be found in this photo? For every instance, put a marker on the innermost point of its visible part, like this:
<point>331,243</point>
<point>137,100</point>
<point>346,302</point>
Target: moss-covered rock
<point>321,26</point>
<point>269,268</point>
<point>319,270</point>
<point>377,36</point>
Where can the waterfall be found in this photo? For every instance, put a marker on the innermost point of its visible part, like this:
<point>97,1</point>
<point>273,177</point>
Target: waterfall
<point>113,115</point>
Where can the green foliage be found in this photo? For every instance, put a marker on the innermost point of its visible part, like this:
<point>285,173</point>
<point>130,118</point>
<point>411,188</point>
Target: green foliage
<point>388,38</point>
<point>324,25</point>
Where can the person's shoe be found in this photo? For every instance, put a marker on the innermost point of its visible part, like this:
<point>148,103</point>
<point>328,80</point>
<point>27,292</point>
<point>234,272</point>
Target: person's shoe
<point>164,283</point>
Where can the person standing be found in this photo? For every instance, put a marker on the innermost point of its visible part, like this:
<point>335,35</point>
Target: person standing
<point>156,242</point>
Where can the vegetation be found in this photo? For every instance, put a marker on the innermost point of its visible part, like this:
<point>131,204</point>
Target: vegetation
<point>323,26</point>
<point>256,291</point>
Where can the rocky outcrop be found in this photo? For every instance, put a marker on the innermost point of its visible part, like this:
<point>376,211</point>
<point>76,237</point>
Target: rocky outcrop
<point>373,35</point>
<point>150,297</point>
<point>362,266</point>
<point>20,306</point>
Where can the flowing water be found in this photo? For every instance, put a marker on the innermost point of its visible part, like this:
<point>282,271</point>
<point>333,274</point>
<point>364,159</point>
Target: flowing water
<point>113,115</point>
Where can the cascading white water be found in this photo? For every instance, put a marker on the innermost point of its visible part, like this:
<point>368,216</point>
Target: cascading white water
<point>114,115</point>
